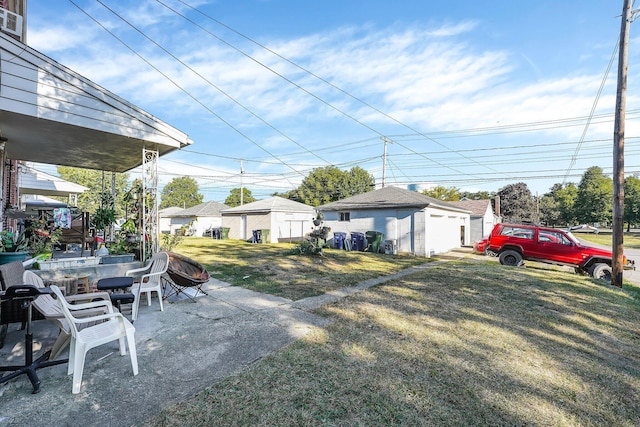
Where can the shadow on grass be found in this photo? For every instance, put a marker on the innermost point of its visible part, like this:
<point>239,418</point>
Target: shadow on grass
<point>456,344</point>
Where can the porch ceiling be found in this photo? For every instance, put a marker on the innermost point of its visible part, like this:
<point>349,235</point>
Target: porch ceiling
<point>51,114</point>
<point>45,141</point>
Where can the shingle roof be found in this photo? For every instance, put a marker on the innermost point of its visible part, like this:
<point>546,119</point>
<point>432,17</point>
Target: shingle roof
<point>210,208</point>
<point>477,207</point>
<point>386,198</point>
<point>273,204</point>
<point>168,212</point>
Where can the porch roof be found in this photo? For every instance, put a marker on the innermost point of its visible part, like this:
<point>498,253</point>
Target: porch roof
<point>51,114</point>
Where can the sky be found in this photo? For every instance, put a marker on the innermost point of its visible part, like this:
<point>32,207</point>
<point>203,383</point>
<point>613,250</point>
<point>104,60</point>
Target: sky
<point>466,94</point>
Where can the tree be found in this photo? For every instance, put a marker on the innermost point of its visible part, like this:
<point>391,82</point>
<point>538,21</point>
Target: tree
<point>594,202</point>
<point>631,201</point>
<point>448,194</point>
<point>517,204</point>
<point>90,200</point>
<point>328,184</point>
<point>181,192</point>
<point>558,206</point>
<point>233,199</point>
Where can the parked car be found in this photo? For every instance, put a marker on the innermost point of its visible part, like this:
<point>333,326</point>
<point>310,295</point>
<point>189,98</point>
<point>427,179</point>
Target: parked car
<point>515,243</point>
<point>482,247</point>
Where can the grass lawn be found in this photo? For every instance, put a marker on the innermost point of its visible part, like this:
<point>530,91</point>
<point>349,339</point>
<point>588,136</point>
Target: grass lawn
<point>631,240</point>
<point>280,270</point>
<point>461,343</point>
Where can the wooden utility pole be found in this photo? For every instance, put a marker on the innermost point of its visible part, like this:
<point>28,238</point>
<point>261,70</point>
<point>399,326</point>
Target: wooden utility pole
<point>384,159</point>
<point>617,265</point>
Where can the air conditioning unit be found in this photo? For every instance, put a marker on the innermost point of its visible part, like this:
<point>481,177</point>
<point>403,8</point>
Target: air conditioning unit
<point>10,22</point>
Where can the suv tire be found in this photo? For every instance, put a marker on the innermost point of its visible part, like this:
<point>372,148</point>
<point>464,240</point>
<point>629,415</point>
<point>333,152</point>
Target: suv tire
<point>601,271</point>
<point>511,257</point>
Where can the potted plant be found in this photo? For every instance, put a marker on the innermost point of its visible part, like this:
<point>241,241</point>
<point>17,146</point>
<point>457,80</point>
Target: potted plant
<point>42,239</point>
<point>12,247</point>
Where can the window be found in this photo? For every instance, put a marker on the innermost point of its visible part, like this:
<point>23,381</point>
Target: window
<point>522,233</point>
<point>345,216</point>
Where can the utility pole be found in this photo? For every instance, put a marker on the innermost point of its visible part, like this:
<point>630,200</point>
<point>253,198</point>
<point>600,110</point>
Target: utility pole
<point>384,159</point>
<point>241,184</point>
<point>617,265</point>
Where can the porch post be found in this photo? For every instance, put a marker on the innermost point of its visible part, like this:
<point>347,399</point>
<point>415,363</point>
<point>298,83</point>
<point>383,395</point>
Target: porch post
<point>150,239</point>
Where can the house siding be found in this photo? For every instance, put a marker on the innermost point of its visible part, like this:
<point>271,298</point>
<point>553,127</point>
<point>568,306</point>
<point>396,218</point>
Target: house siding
<point>422,232</point>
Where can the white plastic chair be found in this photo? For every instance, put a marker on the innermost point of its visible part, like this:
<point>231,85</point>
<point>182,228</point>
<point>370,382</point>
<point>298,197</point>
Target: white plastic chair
<point>149,280</point>
<point>114,326</point>
<point>51,310</point>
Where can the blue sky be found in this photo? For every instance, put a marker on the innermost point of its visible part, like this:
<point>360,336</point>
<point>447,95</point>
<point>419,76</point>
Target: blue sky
<point>475,95</point>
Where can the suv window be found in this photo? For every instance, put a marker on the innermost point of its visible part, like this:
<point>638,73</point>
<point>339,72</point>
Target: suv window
<point>522,233</point>
<point>553,237</point>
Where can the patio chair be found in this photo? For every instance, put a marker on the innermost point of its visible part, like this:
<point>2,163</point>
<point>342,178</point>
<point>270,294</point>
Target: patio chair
<point>12,311</point>
<point>114,327</point>
<point>50,309</point>
<point>148,281</point>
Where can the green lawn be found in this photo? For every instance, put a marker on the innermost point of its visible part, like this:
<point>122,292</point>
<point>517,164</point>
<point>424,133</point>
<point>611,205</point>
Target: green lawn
<point>461,343</point>
<point>631,240</point>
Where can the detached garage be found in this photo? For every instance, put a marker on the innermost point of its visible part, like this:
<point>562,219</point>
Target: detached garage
<point>415,223</point>
<point>282,220</point>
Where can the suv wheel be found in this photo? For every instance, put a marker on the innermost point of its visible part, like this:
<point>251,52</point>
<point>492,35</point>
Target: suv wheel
<point>601,271</point>
<point>511,257</point>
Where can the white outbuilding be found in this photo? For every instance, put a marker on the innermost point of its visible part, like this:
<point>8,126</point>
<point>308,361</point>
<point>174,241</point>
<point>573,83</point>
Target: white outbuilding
<point>410,222</point>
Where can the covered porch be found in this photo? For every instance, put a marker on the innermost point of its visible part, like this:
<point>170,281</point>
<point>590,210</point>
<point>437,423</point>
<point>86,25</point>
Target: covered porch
<point>50,114</point>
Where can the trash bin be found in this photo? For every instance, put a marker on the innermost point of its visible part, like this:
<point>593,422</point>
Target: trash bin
<point>256,236</point>
<point>357,241</point>
<point>224,233</point>
<point>374,241</point>
<point>338,240</point>
<point>264,235</point>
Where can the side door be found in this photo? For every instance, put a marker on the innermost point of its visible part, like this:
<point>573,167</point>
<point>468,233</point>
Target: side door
<point>555,246</point>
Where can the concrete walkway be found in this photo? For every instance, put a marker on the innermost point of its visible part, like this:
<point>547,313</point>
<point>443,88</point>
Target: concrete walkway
<point>181,351</point>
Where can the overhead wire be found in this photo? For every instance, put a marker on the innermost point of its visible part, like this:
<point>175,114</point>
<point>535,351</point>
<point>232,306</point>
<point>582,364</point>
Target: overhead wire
<point>247,137</point>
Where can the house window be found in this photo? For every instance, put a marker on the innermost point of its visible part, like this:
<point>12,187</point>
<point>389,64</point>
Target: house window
<point>345,216</point>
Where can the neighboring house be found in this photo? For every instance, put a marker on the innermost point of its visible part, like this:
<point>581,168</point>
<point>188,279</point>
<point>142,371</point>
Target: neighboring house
<point>197,219</point>
<point>165,215</point>
<point>285,219</point>
<point>482,217</point>
<point>415,223</point>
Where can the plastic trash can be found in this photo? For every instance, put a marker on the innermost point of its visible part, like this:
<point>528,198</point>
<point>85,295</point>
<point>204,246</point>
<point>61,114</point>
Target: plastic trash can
<point>264,235</point>
<point>374,241</point>
<point>357,241</point>
<point>224,233</point>
<point>256,236</point>
<point>338,240</point>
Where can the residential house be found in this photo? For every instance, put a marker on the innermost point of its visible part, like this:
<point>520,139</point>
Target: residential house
<point>196,219</point>
<point>482,217</point>
<point>410,221</point>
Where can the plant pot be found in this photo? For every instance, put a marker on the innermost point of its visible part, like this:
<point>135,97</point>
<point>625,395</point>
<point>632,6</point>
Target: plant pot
<point>7,257</point>
<point>114,259</point>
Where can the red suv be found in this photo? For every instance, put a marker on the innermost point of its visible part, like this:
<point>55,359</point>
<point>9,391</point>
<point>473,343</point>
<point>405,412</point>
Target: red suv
<point>515,243</point>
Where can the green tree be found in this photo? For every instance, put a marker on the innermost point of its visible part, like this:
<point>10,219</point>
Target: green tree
<point>328,184</point>
<point>595,197</point>
<point>447,194</point>
<point>549,210</point>
<point>561,201</point>
<point>181,192</point>
<point>233,199</point>
<point>631,201</point>
<point>517,204</point>
<point>90,200</point>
